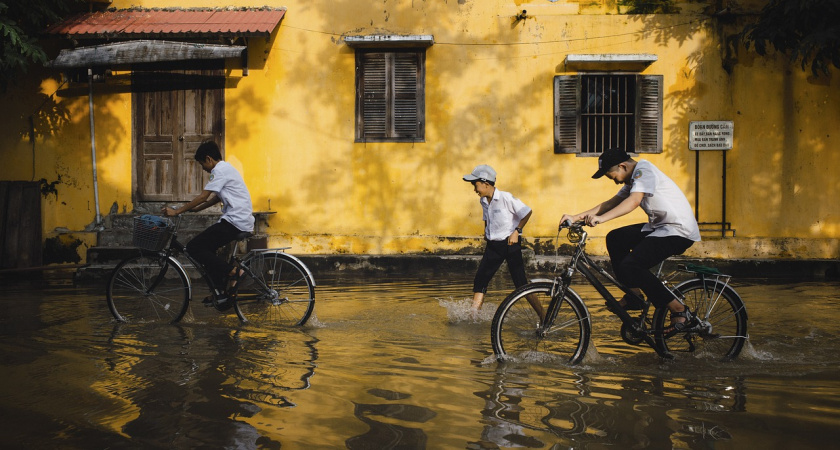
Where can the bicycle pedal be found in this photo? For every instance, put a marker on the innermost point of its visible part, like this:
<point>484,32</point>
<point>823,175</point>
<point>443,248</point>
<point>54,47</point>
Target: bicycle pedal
<point>224,304</point>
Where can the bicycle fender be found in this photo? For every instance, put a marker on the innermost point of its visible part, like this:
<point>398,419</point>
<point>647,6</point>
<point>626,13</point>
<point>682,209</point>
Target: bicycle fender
<point>542,280</point>
<point>180,267</point>
<point>297,260</point>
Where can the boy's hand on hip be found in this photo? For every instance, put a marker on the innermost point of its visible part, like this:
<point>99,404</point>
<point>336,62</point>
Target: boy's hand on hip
<point>513,238</point>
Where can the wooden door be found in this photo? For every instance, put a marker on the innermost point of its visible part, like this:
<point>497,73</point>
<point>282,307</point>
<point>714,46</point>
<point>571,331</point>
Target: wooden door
<point>20,224</point>
<point>173,115</point>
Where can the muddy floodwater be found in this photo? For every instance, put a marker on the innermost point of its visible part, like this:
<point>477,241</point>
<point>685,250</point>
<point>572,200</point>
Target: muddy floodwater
<point>399,363</point>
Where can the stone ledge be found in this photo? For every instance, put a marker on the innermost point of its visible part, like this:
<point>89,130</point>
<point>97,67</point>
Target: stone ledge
<point>537,266</point>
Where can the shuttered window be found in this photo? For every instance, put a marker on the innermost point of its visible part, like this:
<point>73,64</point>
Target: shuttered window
<point>596,112</point>
<point>390,95</point>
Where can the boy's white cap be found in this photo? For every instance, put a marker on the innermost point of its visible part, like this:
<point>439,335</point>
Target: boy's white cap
<point>482,172</point>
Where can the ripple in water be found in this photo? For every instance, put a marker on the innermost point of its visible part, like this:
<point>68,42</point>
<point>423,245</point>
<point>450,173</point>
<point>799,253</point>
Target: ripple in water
<point>460,311</point>
<point>313,322</point>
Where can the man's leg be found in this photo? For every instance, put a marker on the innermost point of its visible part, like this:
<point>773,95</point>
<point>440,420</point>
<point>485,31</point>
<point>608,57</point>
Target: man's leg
<point>516,267</point>
<point>490,263</point>
<point>204,246</point>
<point>620,242</point>
<point>634,270</point>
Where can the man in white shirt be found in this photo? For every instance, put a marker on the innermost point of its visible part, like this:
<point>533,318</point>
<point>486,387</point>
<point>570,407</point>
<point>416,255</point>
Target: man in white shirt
<point>504,217</point>
<point>671,228</point>
<point>227,186</point>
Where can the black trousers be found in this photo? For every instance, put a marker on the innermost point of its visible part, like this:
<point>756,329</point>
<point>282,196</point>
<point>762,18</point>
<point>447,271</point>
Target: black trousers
<point>633,254</point>
<point>495,254</point>
<point>203,249</point>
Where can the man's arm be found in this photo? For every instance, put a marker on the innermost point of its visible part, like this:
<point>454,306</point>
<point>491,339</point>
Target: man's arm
<point>625,206</point>
<point>210,202</point>
<point>597,210</point>
<point>209,197</point>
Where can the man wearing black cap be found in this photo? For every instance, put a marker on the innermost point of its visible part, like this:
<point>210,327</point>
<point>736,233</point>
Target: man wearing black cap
<point>671,228</point>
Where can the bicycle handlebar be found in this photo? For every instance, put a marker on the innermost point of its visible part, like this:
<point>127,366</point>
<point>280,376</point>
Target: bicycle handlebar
<point>568,224</point>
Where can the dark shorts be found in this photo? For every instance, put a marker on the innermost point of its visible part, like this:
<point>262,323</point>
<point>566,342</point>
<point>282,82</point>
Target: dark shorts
<point>633,253</point>
<point>495,254</point>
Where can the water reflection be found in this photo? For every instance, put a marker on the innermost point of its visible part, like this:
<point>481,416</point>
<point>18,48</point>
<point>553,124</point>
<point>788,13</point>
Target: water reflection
<point>398,363</point>
<point>580,409</point>
<point>191,389</point>
<point>390,435</point>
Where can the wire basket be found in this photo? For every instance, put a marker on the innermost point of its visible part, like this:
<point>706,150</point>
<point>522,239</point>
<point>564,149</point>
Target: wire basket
<point>152,232</point>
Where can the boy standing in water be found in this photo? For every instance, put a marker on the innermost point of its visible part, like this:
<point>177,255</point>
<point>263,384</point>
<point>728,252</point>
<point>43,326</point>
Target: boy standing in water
<point>504,218</point>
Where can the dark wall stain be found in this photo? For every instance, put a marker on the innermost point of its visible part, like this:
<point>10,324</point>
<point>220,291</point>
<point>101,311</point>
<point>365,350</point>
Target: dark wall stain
<point>61,249</point>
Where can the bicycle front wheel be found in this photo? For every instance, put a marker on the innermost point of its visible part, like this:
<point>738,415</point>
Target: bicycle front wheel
<point>148,289</point>
<point>280,292</point>
<point>722,316</point>
<point>516,331</point>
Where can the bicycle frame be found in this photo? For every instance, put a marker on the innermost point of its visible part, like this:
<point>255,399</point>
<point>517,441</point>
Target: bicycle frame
<point>582,263</point>
<point>169,253</point>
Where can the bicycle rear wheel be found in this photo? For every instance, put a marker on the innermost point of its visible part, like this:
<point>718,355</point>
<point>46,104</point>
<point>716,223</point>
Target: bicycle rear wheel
<point>280,293</point>
<point>722,331</point>
<point>148,289</point>
<point>515,330</point>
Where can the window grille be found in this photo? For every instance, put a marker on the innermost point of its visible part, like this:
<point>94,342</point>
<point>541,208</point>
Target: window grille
<point>596,112</point>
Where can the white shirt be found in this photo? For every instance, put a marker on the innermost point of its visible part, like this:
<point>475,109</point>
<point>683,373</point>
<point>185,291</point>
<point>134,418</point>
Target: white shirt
<point>227,183</point>
<point>669,213</point>
<point>502,215</point>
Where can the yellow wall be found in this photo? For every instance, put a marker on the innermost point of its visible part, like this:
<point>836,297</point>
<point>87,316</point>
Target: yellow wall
<point>290,129</point>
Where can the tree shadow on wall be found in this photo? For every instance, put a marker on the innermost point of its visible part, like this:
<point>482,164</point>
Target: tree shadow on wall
<point>465,131</point>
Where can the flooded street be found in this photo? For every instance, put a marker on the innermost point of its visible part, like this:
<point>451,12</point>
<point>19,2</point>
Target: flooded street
<point>398,363</point>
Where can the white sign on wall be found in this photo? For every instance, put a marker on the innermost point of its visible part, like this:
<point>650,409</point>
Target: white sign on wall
<point>710,135</point>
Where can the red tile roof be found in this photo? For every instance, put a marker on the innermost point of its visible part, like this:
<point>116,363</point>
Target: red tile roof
<point>171,22</point>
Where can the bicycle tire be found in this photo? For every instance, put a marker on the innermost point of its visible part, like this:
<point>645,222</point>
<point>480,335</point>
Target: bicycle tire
<point>514,330</point>
<point>723,321</point>
<point>290,295</point>
<point>148,288</point>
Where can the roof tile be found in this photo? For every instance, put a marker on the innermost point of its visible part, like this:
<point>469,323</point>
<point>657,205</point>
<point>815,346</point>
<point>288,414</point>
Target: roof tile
<point>137,23</point>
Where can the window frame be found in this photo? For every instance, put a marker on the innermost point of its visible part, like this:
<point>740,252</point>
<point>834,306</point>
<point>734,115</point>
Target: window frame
<point>394,76</point>
<point>568,115</point>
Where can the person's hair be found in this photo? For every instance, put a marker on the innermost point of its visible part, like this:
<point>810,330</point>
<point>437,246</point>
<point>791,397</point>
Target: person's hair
<point>208,148</point>
<point>491,183</point>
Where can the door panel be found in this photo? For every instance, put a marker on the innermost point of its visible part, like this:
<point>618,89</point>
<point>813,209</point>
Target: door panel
<point>170,124</point>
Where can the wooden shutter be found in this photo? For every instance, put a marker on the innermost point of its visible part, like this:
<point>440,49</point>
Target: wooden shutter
<point>373,117</point>
<point>390,96</point>
<point>407,90</point>
<point>566,113</point>
<point>649,111</point>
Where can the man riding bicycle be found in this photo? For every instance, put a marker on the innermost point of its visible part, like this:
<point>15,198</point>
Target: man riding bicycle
<point>634,249</point>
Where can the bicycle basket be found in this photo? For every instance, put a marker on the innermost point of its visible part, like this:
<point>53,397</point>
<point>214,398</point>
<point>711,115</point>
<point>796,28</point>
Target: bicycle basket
<point>152,232</point>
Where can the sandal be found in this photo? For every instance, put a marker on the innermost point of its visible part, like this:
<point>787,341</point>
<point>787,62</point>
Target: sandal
<point>677,327</point>
<point>631,303</point>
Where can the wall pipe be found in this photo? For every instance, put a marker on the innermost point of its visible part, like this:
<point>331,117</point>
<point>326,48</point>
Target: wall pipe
<point>93,148</point>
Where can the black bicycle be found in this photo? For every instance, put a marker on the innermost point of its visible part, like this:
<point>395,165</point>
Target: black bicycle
<point>718,329</point>
<point>275,288</point>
